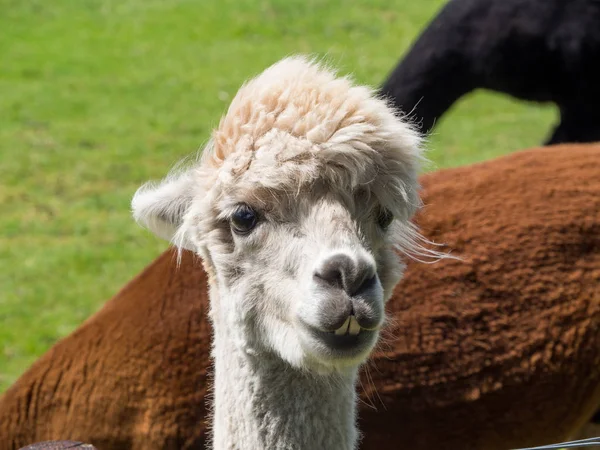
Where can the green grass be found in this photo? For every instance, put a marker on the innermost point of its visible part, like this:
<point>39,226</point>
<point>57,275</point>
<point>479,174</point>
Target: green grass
<point>97,96</point>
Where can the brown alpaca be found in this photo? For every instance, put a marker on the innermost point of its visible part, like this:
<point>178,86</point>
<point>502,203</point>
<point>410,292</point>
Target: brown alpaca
<point>498,350</point>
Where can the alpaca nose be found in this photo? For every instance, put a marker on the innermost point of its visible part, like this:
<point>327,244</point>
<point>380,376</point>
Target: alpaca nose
<point>343,272</point>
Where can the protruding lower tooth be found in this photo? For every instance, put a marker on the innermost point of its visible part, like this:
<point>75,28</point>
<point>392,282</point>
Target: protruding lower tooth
<point>344,328</point>
<point>354,327</point>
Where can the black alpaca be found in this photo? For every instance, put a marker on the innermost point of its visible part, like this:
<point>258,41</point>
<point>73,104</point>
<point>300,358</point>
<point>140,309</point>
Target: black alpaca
<point>534,50</point>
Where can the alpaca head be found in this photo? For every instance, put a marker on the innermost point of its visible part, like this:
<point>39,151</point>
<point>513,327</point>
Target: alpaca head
<point>299,207</point>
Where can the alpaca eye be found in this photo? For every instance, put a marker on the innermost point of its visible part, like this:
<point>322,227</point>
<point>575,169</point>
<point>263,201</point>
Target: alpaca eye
<point>243,220</point>
<point>384,219</point>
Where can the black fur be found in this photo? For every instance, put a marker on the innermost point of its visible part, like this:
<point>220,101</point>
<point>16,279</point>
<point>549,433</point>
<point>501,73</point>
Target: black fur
<point>534,50</point>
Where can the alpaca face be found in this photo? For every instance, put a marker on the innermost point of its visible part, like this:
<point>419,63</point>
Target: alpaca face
<point>305,276</point>
<point>299,208</point>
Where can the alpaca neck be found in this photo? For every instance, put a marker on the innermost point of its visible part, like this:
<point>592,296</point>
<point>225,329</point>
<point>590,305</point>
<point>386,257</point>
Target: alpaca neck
<point>261,402</point>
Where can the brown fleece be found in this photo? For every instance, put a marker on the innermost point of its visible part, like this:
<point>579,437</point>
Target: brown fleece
<point>132,377</point>
<point>501,349</point>
<point>496,351</point>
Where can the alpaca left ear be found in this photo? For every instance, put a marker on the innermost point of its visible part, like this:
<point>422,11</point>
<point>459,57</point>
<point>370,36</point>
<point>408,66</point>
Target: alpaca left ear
<point>161,207</point>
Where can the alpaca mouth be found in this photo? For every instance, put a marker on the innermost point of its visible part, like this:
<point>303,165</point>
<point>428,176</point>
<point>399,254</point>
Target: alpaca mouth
<point>349,328</point>
<point>349,341</point>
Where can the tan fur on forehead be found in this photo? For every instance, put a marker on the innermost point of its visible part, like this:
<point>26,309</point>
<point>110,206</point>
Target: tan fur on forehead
<point>297,122</point>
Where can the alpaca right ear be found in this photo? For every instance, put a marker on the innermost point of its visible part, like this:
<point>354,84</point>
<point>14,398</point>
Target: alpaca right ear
<point>161,207</point>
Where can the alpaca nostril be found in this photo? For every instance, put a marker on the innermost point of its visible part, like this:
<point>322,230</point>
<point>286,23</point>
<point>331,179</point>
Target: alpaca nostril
<point>334,271</point>
<point>342,272</point>
<point>330,275</point>
<point>368,283</point>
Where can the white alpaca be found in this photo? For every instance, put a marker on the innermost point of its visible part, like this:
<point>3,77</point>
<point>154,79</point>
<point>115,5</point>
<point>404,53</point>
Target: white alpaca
<point>297,207</point>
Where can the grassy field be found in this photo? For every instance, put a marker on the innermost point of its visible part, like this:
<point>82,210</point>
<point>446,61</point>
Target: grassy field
<point>97,96</point>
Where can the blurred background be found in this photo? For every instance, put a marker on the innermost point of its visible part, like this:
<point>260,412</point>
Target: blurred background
<point>98,96</point>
